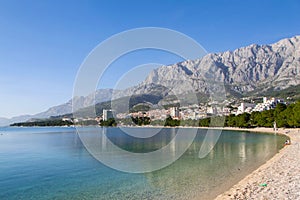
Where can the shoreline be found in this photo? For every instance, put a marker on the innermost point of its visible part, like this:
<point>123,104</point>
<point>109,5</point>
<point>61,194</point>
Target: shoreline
<point>281,173</point>
<point>278,178</point>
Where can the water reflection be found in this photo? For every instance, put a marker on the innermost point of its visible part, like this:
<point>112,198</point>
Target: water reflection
<point>173,145</point>
<point>242,148</point>
<point>72,173</point>
<point>234,155</point>
<point>104,139</point>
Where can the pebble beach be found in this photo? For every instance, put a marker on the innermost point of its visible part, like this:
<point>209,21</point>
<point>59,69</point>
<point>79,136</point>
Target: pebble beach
<point>278,178</point>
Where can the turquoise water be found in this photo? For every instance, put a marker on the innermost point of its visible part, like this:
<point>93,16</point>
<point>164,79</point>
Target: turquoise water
<point>52,163</point>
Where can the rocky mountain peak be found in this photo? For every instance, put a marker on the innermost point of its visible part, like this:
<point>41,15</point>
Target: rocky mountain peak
<point>244,69</point>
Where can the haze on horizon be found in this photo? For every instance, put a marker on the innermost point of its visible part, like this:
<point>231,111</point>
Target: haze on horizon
<point>43,43</point>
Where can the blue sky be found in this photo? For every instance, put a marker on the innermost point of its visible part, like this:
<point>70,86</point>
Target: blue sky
<point>43,43</point>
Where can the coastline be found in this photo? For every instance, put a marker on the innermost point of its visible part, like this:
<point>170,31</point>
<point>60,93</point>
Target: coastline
<point>281,173</point>
<point>278,178</point>
<point>281,176</point>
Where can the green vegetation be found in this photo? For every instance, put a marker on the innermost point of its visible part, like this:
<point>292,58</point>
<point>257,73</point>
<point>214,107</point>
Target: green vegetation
<point>109,122</point>
<point>140,121</point>
<point>55,122</point>
<point>185,99</point>
<point>172,122</point>
<point>87,123</point>
<point>189,122</point>
<point>140,108</point>
<point>284,116</point>
<point>291,93</point>
<point>241,120</point>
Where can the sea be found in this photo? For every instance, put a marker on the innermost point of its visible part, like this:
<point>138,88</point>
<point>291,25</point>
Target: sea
<point>57,163</point>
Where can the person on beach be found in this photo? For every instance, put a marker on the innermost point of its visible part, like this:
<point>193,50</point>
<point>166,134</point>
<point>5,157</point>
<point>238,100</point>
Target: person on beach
<point>287,142</point>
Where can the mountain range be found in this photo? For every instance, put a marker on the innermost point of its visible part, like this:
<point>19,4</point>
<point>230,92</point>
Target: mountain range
<point>254,69</point>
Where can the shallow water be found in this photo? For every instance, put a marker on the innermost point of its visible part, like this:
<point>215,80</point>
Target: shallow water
<point>52,163</point>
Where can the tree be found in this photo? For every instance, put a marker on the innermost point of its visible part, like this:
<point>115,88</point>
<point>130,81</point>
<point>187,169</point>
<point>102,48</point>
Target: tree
<point>267,118</point>
<point>204,122</point>
<point>281,119</point>
<point>255,118</point>
<point>290,115</point>
<point>109,122</point>
<point>230,120</point>
<point>243,120</point>
<point>140,121</point>
<point>296,115</point>
<point>172,122</point>
<point>218,121</point>
<point>279,108</point>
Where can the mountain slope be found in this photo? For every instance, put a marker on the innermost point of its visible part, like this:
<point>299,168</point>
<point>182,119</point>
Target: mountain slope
<point>242,70</point>
<point>100,95</point>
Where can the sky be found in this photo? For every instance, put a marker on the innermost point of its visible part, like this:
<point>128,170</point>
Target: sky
<point>43,43</point>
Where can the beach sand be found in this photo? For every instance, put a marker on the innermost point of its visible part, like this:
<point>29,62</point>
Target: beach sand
<point>278,178</point>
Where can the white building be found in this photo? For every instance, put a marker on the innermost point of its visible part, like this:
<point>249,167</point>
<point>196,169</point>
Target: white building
<point>265,99</point>
<point>174,112</point>
<point>268,104</point>
<point>66,119</point>
<point>107,114</point>
<point>212,110</point>
<point>245,107</point>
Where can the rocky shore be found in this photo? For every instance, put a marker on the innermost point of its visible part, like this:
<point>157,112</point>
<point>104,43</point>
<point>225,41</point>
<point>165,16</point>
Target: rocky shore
<point>278,178</point>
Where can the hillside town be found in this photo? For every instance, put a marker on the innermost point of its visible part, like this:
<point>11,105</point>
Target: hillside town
<point>193,112</point>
